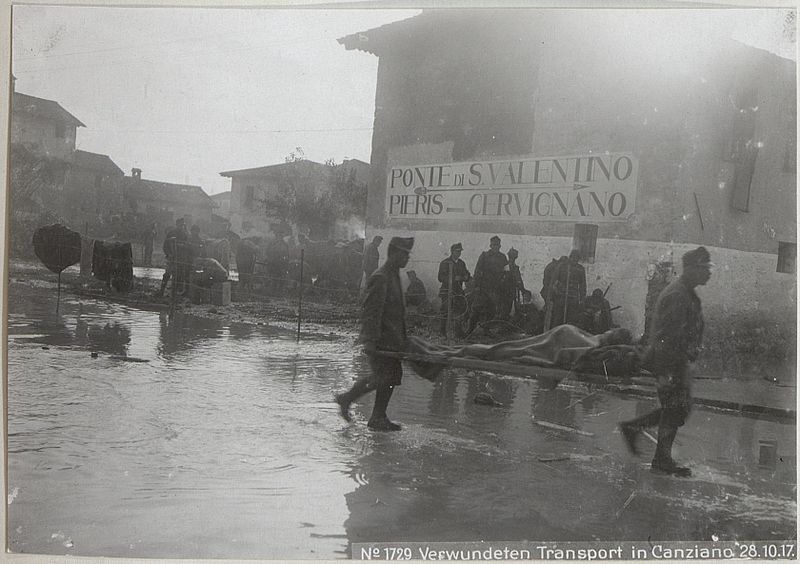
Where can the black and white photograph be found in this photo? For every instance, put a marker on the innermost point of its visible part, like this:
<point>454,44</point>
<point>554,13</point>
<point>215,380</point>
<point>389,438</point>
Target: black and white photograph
<point>401,281</point>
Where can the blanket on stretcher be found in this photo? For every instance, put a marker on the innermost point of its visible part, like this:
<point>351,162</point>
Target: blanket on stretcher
<point>567,347</point>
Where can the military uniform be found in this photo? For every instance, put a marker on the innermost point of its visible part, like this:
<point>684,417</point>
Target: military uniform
<point>459,301</point>
<point>675,343</point>
<point>490,277</point>
<point>383,328</point>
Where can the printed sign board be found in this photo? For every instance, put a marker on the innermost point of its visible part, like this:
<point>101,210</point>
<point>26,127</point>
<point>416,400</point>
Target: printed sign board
<point>593,187</point>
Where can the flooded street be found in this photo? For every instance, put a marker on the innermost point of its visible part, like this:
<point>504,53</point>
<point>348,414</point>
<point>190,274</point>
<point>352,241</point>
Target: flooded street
<point>225,443</point>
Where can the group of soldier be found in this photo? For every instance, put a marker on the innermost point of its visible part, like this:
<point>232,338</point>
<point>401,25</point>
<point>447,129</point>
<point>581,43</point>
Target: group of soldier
<point>186,261</point>
<point>677,334</point>
<point>497,291</point>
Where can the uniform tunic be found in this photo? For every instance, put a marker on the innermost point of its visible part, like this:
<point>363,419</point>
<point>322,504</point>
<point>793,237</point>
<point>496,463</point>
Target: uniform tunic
<point>383,323</point>
<point>371,259</point>
<point>675,342</point>
<point>490,278</point>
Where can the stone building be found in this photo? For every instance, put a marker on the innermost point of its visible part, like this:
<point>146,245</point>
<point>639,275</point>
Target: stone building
<point>43,125</point>
<point>253,190</point>
<point>602,131</point>
<point>92,190</point>
<point>163,202</point>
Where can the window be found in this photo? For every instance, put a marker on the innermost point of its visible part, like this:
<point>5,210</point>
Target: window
<point>787,253</point>
<point>584,238</point>
<point>60,131</point>
<point>249,196</point>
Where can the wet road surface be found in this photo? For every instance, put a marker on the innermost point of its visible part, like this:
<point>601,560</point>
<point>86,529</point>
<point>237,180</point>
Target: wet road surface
<point>226,444</point>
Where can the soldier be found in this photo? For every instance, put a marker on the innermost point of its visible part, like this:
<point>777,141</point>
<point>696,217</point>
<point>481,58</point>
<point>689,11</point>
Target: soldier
<point>569,290</point>
<point>490,273</point>
<point>513,285</point>
<point>195,249</point>
<point>674,346</point>
<point>596,316</point>
<point>149,239</point>
<point>175,251</point>
<point>416,295</point>
<point>371,257</point>
<point>383,327</point>
<point>453,296</point>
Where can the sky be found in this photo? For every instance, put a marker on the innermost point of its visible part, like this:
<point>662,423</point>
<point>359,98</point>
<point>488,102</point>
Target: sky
<point>185,93</point>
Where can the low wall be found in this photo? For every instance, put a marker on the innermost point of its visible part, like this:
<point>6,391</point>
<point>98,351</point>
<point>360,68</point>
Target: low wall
<point>749,308</point>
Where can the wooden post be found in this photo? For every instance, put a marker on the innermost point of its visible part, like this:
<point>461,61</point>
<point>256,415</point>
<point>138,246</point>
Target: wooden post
<point>58,299</point>
<point>449,329</point>
<point>566,295</point>
<point>174,289</point>
<point>300,295</point>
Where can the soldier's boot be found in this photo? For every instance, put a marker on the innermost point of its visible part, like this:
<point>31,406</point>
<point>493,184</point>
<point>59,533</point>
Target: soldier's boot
<point>379,421</point>
<point>662,461</point>
<point>630,429</point>
<point>361,387</point>
<point>164,280</point>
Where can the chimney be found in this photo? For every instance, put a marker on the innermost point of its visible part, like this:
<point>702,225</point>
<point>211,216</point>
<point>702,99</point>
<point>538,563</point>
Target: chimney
<point>136,173</point>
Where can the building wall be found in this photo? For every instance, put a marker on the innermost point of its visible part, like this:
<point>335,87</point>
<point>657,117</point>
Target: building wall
<point>224,203</point>
<point>252,219</point>
<point>249,218</point>
<point>194,212</point>
<point>90,194</point>
<point>542,88</point>
<point>42,133</point>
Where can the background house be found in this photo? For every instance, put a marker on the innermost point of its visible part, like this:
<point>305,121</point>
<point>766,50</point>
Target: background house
<point>42,125</point>
<point>673,141</point>
<point>163,202</point>
<point>223,201</point>
<point>299,196</point>
<point>92,192</point>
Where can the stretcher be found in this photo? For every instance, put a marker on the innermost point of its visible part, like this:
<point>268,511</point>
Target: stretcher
<point>642,385</point>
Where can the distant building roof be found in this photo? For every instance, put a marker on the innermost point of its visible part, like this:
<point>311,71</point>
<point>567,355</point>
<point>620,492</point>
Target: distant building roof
<point>222,196</point>
<point>376,39</point>
<point>353,162</point>
<point>274,169</point>
<point>39,107</point>
<point>164,191</point>
<point>96,161</point>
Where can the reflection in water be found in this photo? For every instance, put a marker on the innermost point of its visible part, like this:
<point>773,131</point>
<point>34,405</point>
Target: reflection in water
<point>227,445</point>
<point>111,337</point>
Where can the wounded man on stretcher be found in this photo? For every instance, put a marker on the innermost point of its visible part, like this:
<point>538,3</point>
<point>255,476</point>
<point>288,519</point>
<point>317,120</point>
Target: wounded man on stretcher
<point>612,354</point>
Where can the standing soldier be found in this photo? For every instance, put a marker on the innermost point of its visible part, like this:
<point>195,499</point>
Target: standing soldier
<point>513,286</point>
<point>383,327</point>
<point>674,344</point>
<point>452,296</point>
<point>547,289</point>
<point>175,252</point>
<point>569,290</point>
<point>371,258</point>
<point>149,239</point>
<point>416,295</point>
<point>490,273</point>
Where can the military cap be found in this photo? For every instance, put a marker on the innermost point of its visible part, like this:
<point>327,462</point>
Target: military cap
<point>697,257</point>
<point>513,251</point>
<point>494,239</point>
<point>402,243</point>
<point>456,247</point>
